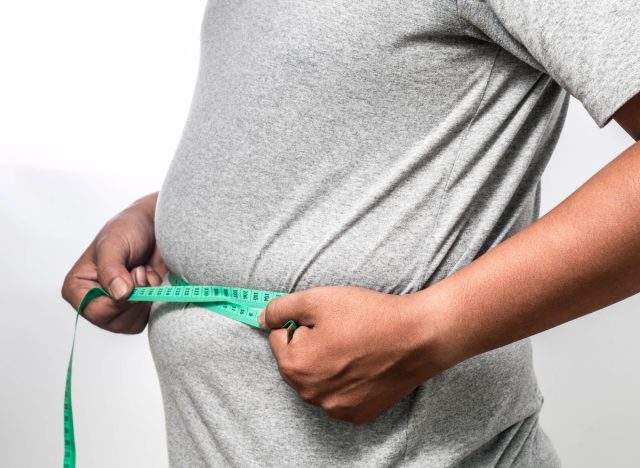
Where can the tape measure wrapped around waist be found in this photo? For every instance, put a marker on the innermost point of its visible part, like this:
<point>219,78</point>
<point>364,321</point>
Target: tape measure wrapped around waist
<point>241,304</point>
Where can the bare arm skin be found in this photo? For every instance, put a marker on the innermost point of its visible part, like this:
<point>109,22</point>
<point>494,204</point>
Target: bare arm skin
<point>359,351</point>
<point>580,257</point>
<point>123,255</point>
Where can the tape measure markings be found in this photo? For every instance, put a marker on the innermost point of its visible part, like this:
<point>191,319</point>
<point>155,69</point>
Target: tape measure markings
<point>241,304</point>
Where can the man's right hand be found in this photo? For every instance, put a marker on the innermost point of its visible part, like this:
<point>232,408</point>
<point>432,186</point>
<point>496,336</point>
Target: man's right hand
<point>122,256</point>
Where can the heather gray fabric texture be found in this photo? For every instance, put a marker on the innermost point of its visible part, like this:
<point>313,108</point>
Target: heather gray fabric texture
<point>376,144</point>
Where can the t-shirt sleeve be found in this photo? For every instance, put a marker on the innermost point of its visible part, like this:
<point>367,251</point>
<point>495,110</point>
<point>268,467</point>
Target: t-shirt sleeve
<point>590,48</point>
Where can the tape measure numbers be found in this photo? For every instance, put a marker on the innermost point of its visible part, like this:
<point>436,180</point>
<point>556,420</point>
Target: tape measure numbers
<point>243,305</point>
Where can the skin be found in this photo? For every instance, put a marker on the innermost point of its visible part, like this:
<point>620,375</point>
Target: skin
<point>124,248</point>
<point>359,351</point>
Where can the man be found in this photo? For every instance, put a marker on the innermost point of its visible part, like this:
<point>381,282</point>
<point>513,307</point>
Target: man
<point>380,162</point>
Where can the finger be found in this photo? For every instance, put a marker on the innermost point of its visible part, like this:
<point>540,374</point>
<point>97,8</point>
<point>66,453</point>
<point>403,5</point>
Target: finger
<point>157,263</point>
<point>278,343</point>
<point>296,306</point>
<point>116,316</point>
<point>139,275</point>
<point>82,276</point>
<point>103,309</point>
<point>285,352</point>
<point>141,320</point>
<point>153,278</point>
<point>300,338</point>
<point>112,254</point>
<point>133,320</point>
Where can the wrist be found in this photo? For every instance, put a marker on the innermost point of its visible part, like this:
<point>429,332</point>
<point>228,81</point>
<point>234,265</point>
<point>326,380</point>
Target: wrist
<point>442,338</point>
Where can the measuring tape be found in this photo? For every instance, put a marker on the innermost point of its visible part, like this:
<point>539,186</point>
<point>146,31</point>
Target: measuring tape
<point>243,305</point>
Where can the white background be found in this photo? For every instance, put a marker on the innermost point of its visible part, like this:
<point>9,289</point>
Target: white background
<point>93,98</point>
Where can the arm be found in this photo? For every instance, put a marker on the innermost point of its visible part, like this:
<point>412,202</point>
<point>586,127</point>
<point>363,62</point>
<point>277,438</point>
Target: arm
<point>358,351</point>
<point>580,257</point>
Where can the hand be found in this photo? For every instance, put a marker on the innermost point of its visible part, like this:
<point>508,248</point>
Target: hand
<point>356,352</point>
<point>122,256</point>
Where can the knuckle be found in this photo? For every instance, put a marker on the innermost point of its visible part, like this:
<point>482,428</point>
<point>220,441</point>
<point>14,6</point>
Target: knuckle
<point>274,304</point>
<point>105,271</point>
<point>331,406</point>
<point>309,299</point>
<point>102,238</point>
<point>272,309</point>
<point>337,409</point>
<point>287,368</point>
<point>291,368</point>
<point>308,395</point>
<point>110,241</point>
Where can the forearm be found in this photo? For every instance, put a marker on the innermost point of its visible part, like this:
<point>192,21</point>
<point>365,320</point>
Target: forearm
<point>580,257</point>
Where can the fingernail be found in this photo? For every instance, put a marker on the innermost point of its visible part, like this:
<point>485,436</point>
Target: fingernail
<point>140,277</point>
<point>148,268</point>
<point>261,319</point>
<point>118,288</point>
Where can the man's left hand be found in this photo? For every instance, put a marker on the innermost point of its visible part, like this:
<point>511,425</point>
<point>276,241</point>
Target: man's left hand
<point>356,351</point>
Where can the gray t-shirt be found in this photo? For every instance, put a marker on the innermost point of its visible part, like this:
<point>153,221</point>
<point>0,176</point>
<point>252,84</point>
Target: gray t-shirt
<point>378,144</point>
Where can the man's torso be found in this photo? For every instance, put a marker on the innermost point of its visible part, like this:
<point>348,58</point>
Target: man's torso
<point>373,144</point>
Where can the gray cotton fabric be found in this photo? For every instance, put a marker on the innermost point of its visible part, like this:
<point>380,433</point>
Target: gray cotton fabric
<point>377,144</point>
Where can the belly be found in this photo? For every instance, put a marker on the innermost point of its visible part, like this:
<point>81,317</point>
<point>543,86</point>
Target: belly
<point>214,226</point>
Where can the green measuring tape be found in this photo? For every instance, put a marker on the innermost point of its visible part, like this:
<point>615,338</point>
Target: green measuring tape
<point>243,305</point>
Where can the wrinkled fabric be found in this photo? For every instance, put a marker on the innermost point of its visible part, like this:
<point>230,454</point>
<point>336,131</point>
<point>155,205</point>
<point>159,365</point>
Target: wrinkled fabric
<point>376,144</point>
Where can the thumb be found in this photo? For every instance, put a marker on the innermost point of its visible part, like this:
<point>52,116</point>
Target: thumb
<point>112,254</point>
<point>279,310</point>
